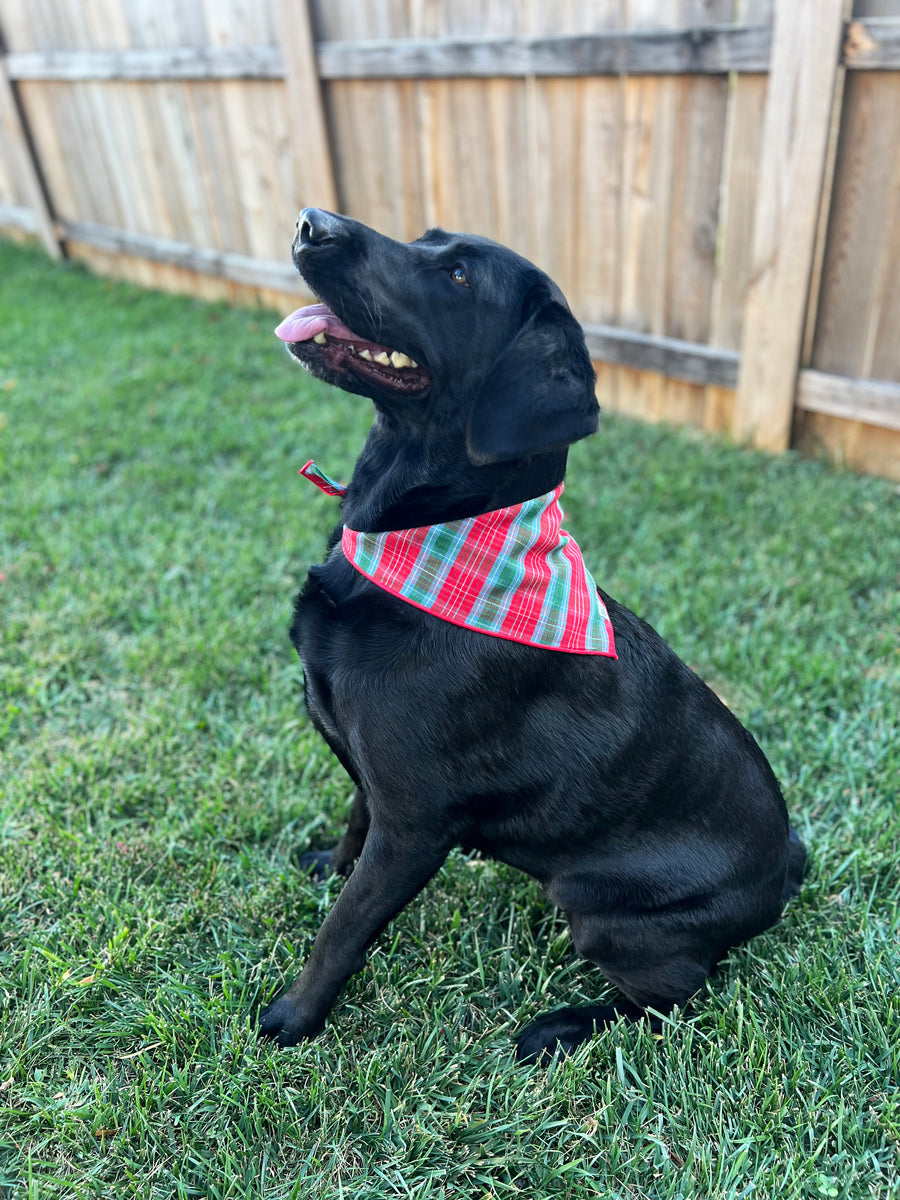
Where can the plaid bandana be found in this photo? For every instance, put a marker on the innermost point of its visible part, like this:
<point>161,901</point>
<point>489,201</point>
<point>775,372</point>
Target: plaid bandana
<point>511,573</point>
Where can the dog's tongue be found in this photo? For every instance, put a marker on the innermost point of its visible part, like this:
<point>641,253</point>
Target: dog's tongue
<point>305,323</point>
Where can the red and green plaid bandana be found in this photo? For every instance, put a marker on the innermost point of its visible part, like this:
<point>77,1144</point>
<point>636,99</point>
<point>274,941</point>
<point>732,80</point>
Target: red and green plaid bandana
<point>512,573</point>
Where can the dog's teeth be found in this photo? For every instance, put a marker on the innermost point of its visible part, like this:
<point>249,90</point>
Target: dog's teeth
<point>319,339</point>
<point>382,358</point>
<point>366,354</point>
<point>400,360</point>
<point>413,363</point>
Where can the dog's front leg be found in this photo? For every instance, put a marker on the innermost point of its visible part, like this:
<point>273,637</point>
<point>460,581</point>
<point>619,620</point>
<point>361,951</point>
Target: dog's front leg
<point>392,868</point>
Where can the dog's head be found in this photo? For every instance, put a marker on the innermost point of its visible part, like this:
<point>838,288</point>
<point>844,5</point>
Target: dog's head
<point>449,328</point>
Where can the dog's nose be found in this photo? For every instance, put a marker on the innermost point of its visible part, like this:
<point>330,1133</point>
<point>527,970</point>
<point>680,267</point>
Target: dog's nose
<point>316,227</point>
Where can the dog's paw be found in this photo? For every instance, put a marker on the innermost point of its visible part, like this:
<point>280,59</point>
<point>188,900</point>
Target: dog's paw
<point>559,1032</point>
<point>284,1023</point>
<point>317,864</point>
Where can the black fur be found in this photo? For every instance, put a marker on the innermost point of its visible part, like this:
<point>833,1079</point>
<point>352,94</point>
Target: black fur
<point>648,813</point>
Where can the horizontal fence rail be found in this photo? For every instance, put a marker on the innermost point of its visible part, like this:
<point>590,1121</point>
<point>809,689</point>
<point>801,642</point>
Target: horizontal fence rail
<point>693,362</point>
<point>240,268</point>
<point>872,45</point>
<point>149,63</point>
<point>687,52</point>
<point>871,401</point>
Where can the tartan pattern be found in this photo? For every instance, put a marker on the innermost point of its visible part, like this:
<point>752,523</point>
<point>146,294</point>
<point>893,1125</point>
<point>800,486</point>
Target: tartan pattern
<point>322,481</point>
<point>513,573</point>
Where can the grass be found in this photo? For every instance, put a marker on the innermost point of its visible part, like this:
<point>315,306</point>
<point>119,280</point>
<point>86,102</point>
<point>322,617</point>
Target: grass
<point>159,779</point>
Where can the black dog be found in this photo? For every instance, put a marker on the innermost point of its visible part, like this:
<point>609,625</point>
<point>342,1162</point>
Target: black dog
<point>648,813</point>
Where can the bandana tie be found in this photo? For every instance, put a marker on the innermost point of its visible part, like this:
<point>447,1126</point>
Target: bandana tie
<point>512,573</point>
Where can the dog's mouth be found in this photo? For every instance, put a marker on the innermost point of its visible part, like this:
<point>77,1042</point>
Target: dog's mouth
<point>323,343</point>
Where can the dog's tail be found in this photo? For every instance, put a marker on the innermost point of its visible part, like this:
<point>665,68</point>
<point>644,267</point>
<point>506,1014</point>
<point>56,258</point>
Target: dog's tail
<point>796,865</point>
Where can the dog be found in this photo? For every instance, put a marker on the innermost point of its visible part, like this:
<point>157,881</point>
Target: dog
<point>606,769</point>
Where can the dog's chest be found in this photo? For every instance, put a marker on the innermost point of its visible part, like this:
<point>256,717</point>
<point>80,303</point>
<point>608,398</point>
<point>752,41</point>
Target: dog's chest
<point>347,634</point>
<point>323,615</point>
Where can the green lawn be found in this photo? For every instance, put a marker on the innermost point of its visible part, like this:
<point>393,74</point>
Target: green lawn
<point>159,779</point>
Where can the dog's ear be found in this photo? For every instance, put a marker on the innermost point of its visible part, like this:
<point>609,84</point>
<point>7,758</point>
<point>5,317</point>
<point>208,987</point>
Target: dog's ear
<point>539,395</point>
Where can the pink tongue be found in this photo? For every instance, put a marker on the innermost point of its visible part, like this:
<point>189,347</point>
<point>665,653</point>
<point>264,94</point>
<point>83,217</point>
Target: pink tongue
<point>305,323</point>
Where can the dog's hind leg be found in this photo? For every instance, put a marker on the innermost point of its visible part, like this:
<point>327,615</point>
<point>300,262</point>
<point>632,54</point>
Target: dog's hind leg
<point>340,859</point>
<point>658,970</point>
<point>563,1029</point>
<point>796,865</point>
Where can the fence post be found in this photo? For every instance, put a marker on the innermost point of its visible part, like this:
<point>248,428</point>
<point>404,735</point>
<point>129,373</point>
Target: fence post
<point>805,61</point>
<point>314,169</point>
<point>13,124</point>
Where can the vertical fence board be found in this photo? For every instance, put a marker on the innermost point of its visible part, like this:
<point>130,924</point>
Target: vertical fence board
<point>694,209</point>
<point>650,142</point>
<point>854,325</point>
<point>747,104</point>
<point>509,140</point>
<point>597,217</point>
<point>315,179</point>
<point>216,160</point>
<point>24,166</point>
<point>667,273</point>
<point>11,192</point>
<point>885,359</point>
<point>742,151</point>
<point>598,274</point>
<point>798,113</point>
<point>159,118</point>
<point>741,155</point>
<point>49,132</point>
<point>554,138</point>
<point>696,220</point>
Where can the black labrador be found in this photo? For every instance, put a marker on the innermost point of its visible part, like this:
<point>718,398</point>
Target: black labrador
<point>645,809</point>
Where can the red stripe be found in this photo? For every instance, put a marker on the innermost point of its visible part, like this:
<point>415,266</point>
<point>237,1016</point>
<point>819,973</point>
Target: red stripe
<point>527,602</point>
<point>396,561</point>
<point>579,607</point>
<point>478,553</point>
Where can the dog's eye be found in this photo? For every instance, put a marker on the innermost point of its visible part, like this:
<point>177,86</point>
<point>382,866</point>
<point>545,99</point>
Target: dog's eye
<point>458,275</point>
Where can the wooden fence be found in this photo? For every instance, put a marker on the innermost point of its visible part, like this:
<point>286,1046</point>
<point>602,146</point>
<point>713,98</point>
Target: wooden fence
<point>714,183</point>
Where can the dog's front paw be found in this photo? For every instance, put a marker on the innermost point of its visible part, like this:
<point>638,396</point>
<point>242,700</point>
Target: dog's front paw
<point>559,1033</point>
<point>283,1021</point>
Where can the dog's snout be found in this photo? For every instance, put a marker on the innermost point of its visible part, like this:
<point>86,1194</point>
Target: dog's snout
<point>316,227</point>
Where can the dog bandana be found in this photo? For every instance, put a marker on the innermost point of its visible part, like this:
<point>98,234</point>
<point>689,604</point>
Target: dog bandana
<point>512,573</point>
